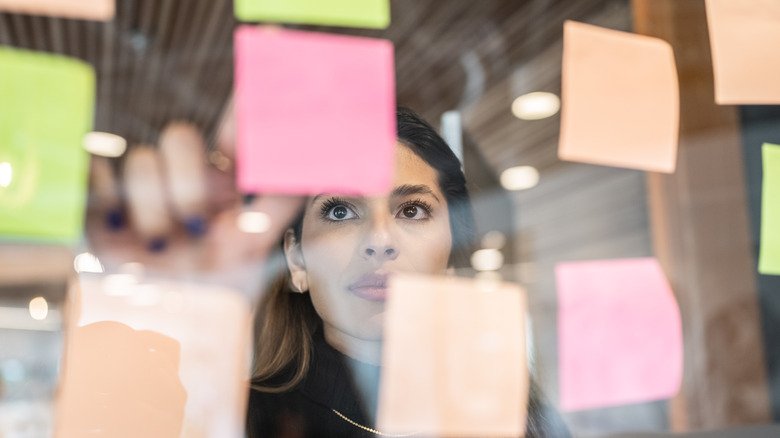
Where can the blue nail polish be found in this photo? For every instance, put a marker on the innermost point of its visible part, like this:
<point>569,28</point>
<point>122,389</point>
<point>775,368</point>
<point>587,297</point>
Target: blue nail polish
<point>157,245</point>
<point>114,220</point>
<point>196,226</point>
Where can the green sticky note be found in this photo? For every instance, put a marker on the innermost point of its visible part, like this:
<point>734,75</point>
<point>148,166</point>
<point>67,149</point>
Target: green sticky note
<point>350,13</point>
<point>46,107</point>
<point>769,256</point>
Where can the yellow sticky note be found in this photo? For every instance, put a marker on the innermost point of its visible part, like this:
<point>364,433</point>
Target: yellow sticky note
<point>454,358</point>
<point>744,37</point>
<point>46,108</point>
<point>100,10</point>
<point>769,255</point>
<point>349,13</point>
<point>620,99</point>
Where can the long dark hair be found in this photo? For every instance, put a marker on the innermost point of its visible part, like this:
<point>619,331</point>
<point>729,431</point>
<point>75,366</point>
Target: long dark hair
<point>286,321</point>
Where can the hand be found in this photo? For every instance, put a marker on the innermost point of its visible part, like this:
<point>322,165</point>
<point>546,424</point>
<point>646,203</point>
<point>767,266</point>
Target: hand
<point>180,214</point>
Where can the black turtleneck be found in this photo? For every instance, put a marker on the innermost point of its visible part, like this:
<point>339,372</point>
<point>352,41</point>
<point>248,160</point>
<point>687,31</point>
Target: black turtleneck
<point>334,381</point>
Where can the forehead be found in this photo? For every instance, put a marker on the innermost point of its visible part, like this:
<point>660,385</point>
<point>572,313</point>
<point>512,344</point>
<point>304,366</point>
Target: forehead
<point>413,170</point>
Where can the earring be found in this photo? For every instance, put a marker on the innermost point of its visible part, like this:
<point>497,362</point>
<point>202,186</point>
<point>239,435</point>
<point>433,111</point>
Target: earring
<point>298,285</point>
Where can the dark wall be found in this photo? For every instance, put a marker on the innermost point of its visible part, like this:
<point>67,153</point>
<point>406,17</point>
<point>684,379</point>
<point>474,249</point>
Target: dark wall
<point>761,124</point>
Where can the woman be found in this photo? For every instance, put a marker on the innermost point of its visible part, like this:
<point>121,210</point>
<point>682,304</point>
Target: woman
<point>320,326</point>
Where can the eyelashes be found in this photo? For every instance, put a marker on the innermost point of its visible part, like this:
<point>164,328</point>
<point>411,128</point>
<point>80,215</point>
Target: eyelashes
<point>329,213</point>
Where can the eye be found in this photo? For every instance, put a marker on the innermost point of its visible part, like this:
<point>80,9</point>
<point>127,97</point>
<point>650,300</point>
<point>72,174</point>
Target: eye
<point>415,210</point>
<point>338,212</point>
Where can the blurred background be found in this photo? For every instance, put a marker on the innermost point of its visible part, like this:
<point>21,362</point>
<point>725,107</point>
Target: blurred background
<point>462,64</point>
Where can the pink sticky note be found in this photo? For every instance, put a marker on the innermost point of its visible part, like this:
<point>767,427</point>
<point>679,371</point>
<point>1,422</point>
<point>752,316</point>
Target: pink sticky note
<point>102,10</point>
<point>620,99</point>
<point>454,361</point>
<point>619,334</point>
<point>744,37</point>
<point>315,112</point>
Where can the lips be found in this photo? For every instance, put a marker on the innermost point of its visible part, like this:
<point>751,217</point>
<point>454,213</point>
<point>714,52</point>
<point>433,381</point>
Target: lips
<point>371,287</point>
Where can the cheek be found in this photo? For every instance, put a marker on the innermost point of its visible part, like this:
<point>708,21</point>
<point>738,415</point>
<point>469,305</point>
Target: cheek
<point>429,253</point>
<point>326,257</point>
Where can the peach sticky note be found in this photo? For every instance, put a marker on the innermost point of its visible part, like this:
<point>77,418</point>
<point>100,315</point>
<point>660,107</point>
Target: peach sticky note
<point>769,256</point>
<point>121,382</point>
<point>620,99</point>
<point>178,350</point>
<point>352,13</point>
<point>99,10</point>
<point>454,360</point>
<point>619,334</point>
<point>315,112</point>
<point>744,37</point>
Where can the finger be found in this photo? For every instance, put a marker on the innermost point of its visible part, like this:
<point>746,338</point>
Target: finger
<point>146,201</point>
<point>104,193</point>
<point>226,132</point>
<point>183,153</point>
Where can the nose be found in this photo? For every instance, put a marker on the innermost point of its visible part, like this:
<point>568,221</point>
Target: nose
<point>378,245</point>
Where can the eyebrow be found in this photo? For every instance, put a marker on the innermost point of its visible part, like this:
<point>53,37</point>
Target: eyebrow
<point>400,191</point>
<point>409,189</point>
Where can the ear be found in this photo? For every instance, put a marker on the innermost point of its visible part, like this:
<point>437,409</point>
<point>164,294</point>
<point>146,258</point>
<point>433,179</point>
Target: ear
<point>296,265</point>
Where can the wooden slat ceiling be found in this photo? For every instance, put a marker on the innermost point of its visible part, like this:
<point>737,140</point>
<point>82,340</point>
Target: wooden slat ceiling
<point>162,60</point>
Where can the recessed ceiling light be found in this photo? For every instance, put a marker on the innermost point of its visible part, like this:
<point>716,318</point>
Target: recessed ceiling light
<point>104,144</point>
<point>254,222</point>
<point>487,260</point>
<point>39,308</point>
<point>535,106</point>
<point>519,178</point>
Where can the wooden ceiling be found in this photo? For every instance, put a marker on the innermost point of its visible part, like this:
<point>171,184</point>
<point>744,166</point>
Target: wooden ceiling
<point>162,60</point>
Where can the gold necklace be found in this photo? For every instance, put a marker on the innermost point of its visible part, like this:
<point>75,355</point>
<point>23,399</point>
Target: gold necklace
<point>368,429</point>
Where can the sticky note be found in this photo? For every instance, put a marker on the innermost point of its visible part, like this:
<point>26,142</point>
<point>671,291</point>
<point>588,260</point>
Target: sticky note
<point>620,99</point>
<point>46,109</point>
<point>744,36</point>
<point>100,10</point>
<point>315,112</point>
<point>122,382</point>
<point>619,334</point>
<point>201,337</point>
<point>349,13</point>
<point>769,255</point>
<point>454,358</point>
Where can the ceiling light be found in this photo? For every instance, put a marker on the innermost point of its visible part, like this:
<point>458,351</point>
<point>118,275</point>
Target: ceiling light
<point>535,106</point>
<point>6,173</point>
<point>39,308</point>
<point>254,222</point>
<point>86,262</point>
<point>104,144</point>
<point>487,260</point>
<point>519,178</point>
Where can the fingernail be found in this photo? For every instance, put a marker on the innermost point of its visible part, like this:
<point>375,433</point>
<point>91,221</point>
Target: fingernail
<point>196,226</point>
<point>157,245</point>
<point>114,220</point>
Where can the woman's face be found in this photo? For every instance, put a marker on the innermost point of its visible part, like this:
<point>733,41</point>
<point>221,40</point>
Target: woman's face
<point>349,246</point>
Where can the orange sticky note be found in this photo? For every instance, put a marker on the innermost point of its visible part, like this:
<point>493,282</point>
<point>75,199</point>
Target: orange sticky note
<point>620,99</point>
<point>744,37</point>
<point>99,10</point>
<point>454,359</point>
<point>619,334</point>
<point>177,353</point>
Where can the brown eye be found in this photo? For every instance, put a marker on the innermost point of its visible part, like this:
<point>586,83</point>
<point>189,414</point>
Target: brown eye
<point>410,211</point>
